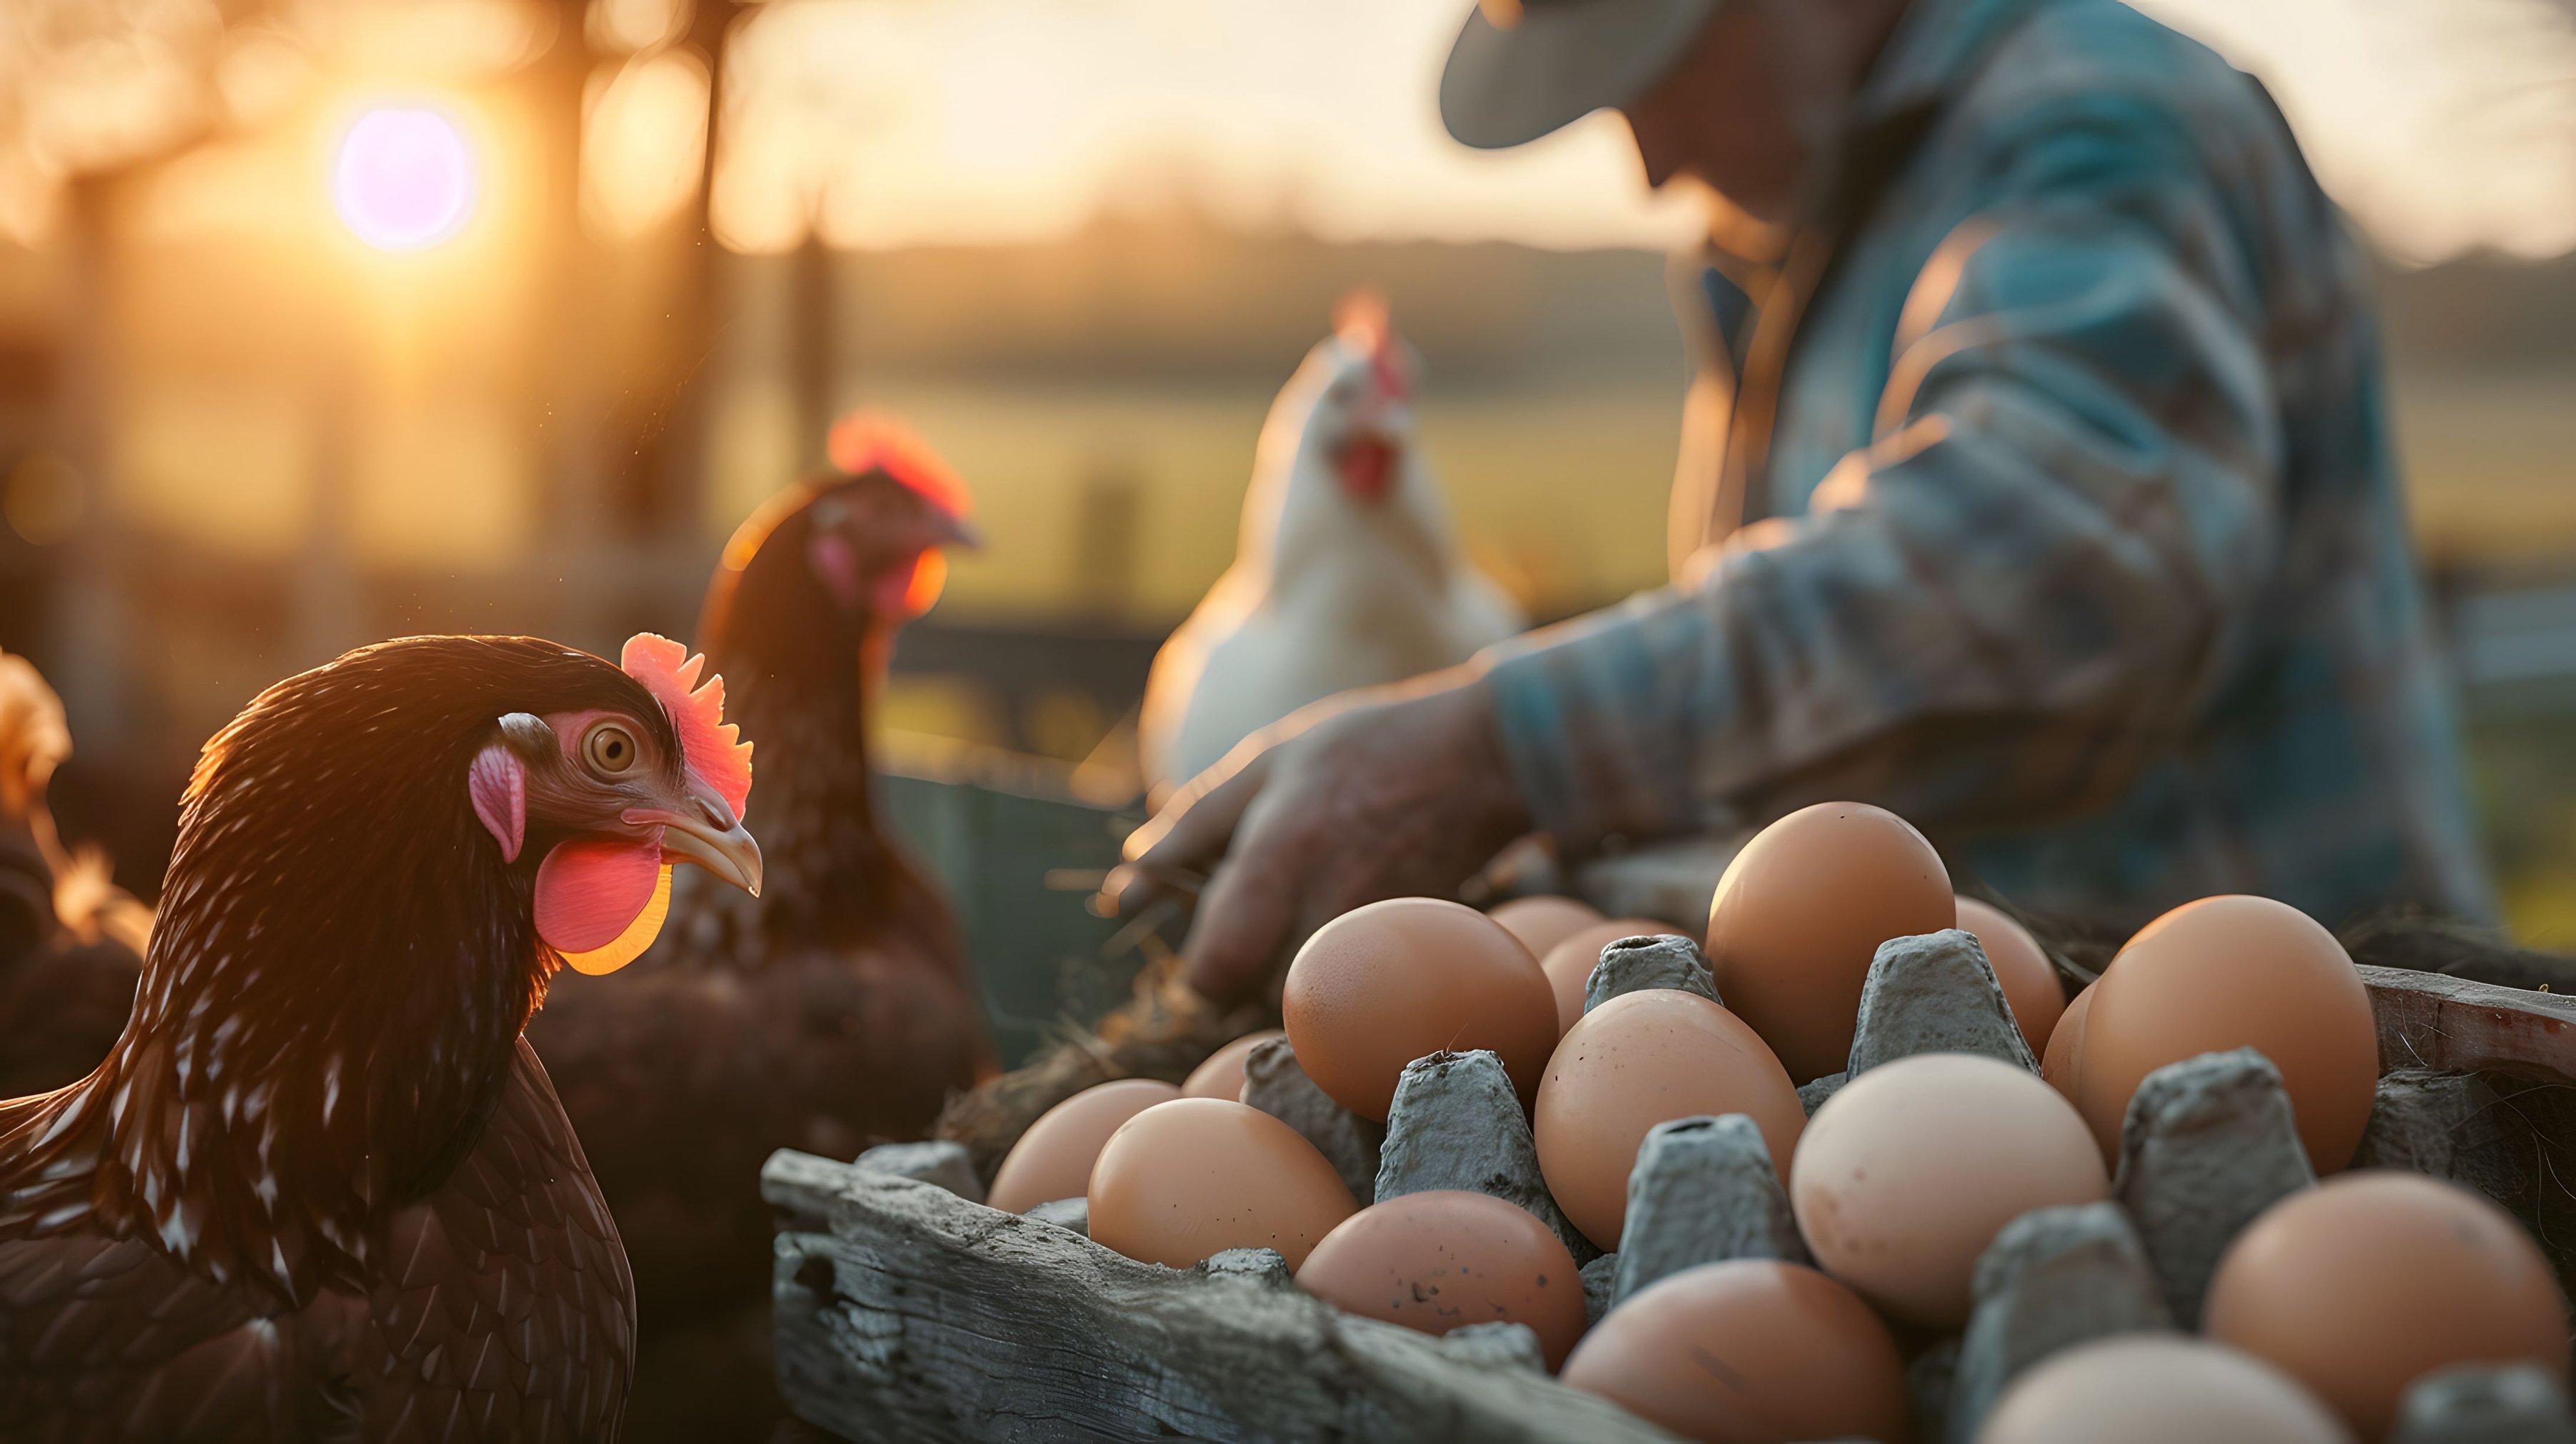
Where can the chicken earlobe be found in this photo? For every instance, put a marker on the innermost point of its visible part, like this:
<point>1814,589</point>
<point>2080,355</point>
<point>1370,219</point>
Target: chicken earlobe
<point>497,783</point>
<point>836,566</point>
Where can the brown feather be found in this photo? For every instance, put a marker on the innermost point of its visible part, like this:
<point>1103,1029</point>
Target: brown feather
<point>319,1187</point>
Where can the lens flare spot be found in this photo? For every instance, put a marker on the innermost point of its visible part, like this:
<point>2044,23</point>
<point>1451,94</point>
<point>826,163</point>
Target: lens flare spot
<point>404,179</point>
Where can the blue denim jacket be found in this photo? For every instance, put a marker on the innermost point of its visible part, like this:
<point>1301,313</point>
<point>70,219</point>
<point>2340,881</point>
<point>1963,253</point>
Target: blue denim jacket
<point>2052,507</point>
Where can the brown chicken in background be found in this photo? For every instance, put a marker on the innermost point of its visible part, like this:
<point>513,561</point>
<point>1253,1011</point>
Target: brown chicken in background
<point>71,941</point>
<point>836,1011</point>
<point>320,1186</point>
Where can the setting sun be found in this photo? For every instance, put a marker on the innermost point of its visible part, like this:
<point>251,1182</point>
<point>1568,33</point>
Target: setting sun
<point>404,179</point>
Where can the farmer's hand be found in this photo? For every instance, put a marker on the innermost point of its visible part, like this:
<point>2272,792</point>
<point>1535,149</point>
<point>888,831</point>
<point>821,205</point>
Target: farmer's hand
<point>1389,792</point>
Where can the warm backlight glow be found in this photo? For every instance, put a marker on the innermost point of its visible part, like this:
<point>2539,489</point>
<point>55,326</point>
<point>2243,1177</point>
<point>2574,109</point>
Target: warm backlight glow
<point>404,179</point>
<point>643,143</point>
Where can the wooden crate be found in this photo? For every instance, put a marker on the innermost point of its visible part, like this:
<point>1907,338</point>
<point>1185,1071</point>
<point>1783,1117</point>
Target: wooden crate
<point>904,1312</point>
<point>2452,1025</point>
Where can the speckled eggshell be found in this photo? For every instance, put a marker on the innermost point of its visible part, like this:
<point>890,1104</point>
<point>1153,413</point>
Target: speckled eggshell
<point>1752,1351</point>
<point>1385,984</point>
<point>1443,1259</point>
<point>1641,1059</point>
<point>1221,1076</point>
<point>2157,1389</point>
<point>1801,911</point>
<point>2236,972</point>
<point>2064,1060</point>
<point>1053,1158</point>
<point>1197,1176</point>
<point>1904,1176</point>
<point>2371,1280</point>
<point>1543,920</point>
<point>1569,964</point>
<point>2029,981</point>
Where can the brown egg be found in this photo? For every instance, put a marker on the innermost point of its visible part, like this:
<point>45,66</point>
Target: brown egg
<point>1197,1176</point>
<point>1221,1076</point>
<point>1441,1260</point>
<point>2064,1060</point>
<point>1569,964</point>
<point>2157,1389</point>
<point>2364,1284</point>
<point>1385,984</point>
<point>1904,1177</point>
<point>2030,981</point>
<point>1748,1352</point>
<point>1053,1159</point>
<point>1543,921</point>
<point>2236,972</point>
<point>1802,910</point>
<point>1638,1060</point>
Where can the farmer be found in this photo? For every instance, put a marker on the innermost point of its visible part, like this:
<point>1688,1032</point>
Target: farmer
<point>2033,485</point>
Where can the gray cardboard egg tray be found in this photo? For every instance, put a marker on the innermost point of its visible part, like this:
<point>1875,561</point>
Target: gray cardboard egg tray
<point>905,1309</point>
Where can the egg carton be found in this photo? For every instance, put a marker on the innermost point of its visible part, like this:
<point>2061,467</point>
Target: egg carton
<point>905,1309</point>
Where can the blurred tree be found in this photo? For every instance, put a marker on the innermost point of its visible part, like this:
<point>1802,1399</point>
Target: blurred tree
<point>658,418</point>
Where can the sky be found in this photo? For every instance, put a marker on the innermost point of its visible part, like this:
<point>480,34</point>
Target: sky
<point>2445,125</point>
<point>968,120</point>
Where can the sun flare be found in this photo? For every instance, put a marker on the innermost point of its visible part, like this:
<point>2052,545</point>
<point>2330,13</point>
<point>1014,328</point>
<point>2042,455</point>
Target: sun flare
<point>404,178</point>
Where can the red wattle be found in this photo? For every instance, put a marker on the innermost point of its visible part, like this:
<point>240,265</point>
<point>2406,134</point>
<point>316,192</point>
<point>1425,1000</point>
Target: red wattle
<point>589,891</point>
<point>1368,468</point>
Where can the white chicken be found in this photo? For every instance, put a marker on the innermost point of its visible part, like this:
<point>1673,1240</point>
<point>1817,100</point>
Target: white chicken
<point>1345,575</point>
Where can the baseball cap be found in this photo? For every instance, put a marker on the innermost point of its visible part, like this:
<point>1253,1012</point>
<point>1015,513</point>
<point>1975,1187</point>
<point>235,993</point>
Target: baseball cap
<point>1523,68</point>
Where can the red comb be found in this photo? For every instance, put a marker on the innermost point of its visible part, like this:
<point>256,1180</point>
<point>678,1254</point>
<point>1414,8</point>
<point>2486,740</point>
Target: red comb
<point>711,744</point>
<point>1359,318</point>
<point>866,441</point>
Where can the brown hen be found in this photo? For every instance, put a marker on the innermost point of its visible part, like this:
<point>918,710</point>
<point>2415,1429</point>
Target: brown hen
<point>320,1187</point>
<point>835,1011</point>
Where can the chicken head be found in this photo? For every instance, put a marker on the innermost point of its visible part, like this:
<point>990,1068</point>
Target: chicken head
<point>615,805</point>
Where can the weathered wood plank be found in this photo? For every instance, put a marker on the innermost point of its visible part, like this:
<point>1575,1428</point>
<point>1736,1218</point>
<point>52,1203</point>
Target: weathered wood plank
<point>904,1312</point>
<point>2453,1025</point>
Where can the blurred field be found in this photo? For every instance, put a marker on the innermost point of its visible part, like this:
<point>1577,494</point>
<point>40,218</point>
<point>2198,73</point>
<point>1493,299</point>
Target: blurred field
<point>234,439</point>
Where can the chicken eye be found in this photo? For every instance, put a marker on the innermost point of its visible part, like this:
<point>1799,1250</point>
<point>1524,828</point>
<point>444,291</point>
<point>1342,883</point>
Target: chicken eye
<point>609,749</point>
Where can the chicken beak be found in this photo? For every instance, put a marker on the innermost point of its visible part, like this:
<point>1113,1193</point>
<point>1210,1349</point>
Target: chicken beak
<point>952,530</point>
<point>709,835</point>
